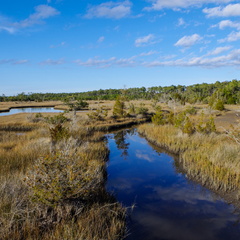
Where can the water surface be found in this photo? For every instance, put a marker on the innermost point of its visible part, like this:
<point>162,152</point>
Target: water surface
<point>167,204</point>
<point>30,110</point>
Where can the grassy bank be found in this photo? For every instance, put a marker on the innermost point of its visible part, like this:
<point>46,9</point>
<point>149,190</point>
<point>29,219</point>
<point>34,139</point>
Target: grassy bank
<point>213,160</point>
<point>56,193</point>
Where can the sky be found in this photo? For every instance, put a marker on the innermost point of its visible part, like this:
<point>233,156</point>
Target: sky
<point>77,46</point>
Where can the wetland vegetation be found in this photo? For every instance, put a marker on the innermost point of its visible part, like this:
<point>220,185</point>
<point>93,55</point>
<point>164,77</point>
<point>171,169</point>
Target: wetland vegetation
<point>53,166</point>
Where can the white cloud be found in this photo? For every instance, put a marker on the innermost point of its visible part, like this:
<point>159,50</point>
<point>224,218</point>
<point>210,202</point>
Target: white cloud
<point>188,41</point>
<point>41,12</point>
<point>101,39</point>
<point>115,10</point>
<point>219,50</point>
<point>181,22</point>
<point>228,23</point>
<point>105,63</point>
<point>13,61</point>
<point>143,41</point>
<point>207,61</point>
<point>19,62</point>
<point>231,59</point>
<point>176,4</point>
<point>232,37</point>
<point>230,10</point>
<point>147,53</point>
<point>53,62</point>
<point>95,62</point>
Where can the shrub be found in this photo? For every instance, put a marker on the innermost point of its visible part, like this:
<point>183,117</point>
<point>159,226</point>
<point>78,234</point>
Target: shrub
<point>58,119</point>
<point>99,114</point>
<point>179,119</point>
<point>60,177</point>
<point>158,118</point>
<point>142,109</point>
<point>190,110</point>
<point>119,108</point>
<point>206,124</point>
<point>218,105</point>
<point>188,126</point>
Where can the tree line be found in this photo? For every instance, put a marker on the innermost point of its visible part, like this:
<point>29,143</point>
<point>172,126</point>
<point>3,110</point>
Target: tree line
<point>228,92</point>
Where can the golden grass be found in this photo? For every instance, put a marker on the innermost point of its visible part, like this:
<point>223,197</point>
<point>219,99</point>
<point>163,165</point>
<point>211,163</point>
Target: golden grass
<point>213,159</point>
<point>100,217</point>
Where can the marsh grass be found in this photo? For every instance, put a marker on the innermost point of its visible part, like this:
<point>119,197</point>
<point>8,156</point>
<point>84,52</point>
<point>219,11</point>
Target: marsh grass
<point>82,208</point>
<point>213,159</point>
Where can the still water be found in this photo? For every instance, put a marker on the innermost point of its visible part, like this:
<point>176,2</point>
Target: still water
<point>29,110</point>
<point>167,204</point>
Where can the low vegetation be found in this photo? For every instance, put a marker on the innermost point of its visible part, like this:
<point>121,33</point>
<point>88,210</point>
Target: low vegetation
<point>53,170</point>
<point>53,184</point>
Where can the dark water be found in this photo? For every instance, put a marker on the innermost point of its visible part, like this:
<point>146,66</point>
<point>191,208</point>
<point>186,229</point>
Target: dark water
<point>29,110</point>
<point>167,204</point>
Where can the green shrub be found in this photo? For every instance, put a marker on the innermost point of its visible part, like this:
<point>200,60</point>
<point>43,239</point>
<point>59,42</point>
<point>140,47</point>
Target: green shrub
<point>179,119</point>
<point>57,178</point>
<point>188,126</point>
<point>119,108</point>
<point>142,109</point>
<point>158,118</point>
<point>99,114</point>
<point>58,119</point>
<point>206,124</point>
<point>190,110</point>
<point>218,105</point>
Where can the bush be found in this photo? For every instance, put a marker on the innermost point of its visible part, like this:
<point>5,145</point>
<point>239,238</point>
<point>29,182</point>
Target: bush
<point>206,125</point>
<point>119,108</point>
<point>188,126</point>
<point>58,119</point>
<point>142,109</point>
<point>158,118</point>
<point>98,114</point>
<point>190,110</point>
<point>60,177</point>
<point>219,105</point>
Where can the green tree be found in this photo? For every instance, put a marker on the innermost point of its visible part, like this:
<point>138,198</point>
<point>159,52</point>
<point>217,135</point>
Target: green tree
<point>119,108</point>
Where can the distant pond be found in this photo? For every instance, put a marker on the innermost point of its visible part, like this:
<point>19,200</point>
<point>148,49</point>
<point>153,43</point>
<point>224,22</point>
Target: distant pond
<point>167,204</point>
<point>30,110</point>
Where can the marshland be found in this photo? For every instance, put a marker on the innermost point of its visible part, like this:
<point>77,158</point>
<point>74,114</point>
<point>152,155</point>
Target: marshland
<point>75,175</point>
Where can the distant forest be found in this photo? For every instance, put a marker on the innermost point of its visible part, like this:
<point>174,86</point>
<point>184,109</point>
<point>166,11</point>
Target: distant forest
<point>228,92</point>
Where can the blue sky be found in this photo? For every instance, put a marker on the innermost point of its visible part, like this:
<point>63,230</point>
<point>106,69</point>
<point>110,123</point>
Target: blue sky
<point>74,46</point>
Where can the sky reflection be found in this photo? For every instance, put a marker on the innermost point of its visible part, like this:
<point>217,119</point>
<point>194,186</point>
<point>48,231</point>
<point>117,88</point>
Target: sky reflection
<point>168,206</point>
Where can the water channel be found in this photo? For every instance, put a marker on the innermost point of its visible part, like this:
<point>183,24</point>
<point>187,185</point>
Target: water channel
<point>29,110</point>
<point>167,204</point>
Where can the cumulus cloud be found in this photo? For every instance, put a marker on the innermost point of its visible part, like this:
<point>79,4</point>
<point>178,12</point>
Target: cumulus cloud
<point>115,10</point>
<point>188,41</point>
<point>228,23</point>
<point>41,12</point>
<point>143,41</point>
<point>176,4</point>
<point>232,37</point>
<point>230,10</point>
